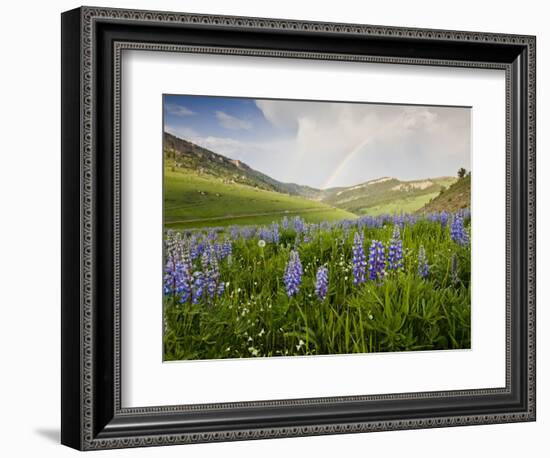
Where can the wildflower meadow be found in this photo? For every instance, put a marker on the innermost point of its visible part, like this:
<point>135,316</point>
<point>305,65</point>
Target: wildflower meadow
<point>292,288</point>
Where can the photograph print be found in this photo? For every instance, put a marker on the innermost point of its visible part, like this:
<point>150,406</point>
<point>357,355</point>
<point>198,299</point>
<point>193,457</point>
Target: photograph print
<point>309,228</point>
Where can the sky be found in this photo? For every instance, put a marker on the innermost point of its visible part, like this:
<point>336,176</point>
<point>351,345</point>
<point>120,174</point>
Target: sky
<point>326,144</point>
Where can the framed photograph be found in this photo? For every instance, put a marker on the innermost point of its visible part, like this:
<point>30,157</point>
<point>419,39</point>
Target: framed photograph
<point>276,228</point>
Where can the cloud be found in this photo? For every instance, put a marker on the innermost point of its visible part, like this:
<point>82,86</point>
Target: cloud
<point>180,131</point>
<point>232,122</point>
<point>222,145</point>
<point>178,110</point>
<point>341,144</point>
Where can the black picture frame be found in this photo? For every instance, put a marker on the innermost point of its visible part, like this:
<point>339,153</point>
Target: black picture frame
<point>92,40</point>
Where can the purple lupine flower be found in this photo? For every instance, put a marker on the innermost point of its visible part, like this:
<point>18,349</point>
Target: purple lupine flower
<point>247,232</point>
<point>234,232</point>
<point>346,224</point>
<point>285,223</point>
<point>443,218</point>
<point>423,267</point>
<point>177,277</point>
<point>223,250</point>
<point>217,247</point>
<point>264,234</point>
<point>183,279</point>
<point>196,247</point>
<point>399,220</point>
<point>299,224</point>
<point>198,286</point>
<point>293,274</point>
<point>395,252</point>
<point>433,217</point>
<point>377,260</point>
<point>458,232</point>
<point>358,259</point>
<point>168,284</point>
<point>174,277</point>
<point>211,271</point>
<point>221,288</point>
<point>275,236</point>
<point>227,248</point>
<point>321,283</point>
<point>210,275</point>
<point>454,269</point>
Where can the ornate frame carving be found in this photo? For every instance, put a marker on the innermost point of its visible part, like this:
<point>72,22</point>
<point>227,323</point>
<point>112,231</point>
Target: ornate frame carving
<point>104,423</point>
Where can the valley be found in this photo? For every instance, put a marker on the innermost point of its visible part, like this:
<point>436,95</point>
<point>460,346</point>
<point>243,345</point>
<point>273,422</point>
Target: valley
<point>203,188</point>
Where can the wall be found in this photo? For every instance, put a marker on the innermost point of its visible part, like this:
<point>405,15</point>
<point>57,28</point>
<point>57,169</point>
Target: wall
<point>30,241</point>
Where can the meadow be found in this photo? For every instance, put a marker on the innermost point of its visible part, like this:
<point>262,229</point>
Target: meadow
<point>289,286</point>
<point>192,200</point>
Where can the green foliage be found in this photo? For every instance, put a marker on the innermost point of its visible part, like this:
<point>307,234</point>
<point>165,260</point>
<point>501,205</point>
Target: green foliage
<point>254,316</point>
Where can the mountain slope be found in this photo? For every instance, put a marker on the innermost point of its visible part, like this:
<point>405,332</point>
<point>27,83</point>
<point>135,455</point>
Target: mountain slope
<point>456,197</point>
<point>182,154</point>
<point>383,194</point>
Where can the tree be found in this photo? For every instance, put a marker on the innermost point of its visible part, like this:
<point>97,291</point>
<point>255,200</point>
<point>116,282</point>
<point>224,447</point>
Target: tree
<point>461,172</point>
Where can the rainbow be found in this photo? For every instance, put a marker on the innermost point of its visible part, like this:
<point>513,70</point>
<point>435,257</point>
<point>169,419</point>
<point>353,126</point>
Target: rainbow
<point>348,157</point>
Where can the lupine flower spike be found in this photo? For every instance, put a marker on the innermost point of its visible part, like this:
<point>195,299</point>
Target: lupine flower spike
<point>395,252</point>
<point>423,267</point>
<point>377,260</point>
<point>359,263</point>
<point>177,275</point>
<point>458,232</point>
<point>293,274</point>
<point>321,283</point>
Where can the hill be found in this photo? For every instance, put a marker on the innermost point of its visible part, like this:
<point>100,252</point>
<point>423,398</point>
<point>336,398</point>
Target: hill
<point>387,195</point>
<point>382,195</point>
<point>456,197</point>
<point>182,154</point>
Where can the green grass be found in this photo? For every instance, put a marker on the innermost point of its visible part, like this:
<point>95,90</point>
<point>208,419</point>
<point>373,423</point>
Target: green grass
<point>192,200</point>
<point>405,205</point>
<point>254,317</point>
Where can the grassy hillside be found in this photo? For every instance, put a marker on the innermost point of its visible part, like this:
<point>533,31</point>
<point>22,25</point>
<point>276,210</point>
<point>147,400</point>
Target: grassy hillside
<point>182,154</point>
<point>192,200</point>
<point>456,197</point>
<point>387,195</point>
<point>220,174</point>
<point>403,205</point>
